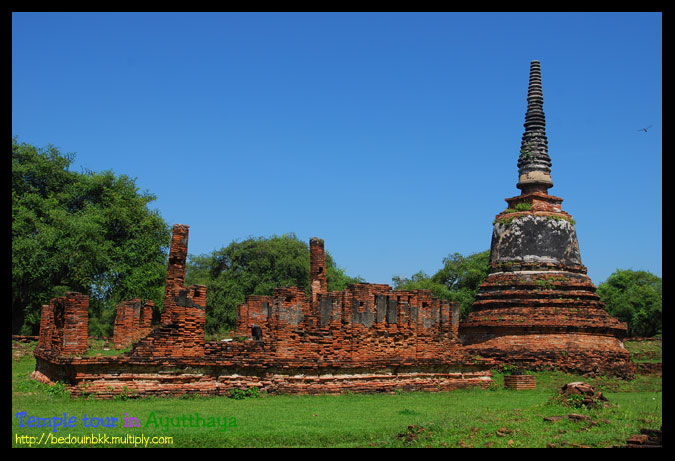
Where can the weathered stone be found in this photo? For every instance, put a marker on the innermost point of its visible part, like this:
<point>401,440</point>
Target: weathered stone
<point>530,238</point>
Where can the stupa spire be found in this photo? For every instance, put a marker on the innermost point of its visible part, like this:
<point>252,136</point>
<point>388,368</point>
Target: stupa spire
<point>536,307</point>
<point>534,164</point>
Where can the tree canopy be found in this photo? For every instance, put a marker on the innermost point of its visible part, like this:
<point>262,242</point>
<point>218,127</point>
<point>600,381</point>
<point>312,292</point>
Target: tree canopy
<point>254,267</point>
<point>634,297</point>
<point>88,232</point>
<point>458,280</point>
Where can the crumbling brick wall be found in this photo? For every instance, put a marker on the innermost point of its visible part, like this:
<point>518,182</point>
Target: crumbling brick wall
<point>64,325</point>
<point>365,324</point>
<point>367,338</point>
<point>181,330</point>
<point>132,322</point>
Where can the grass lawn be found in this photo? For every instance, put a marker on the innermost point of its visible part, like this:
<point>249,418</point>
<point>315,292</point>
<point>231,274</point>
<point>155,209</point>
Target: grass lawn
<point>464,418</point>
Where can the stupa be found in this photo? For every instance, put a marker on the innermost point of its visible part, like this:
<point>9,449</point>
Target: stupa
<point>537,308</point>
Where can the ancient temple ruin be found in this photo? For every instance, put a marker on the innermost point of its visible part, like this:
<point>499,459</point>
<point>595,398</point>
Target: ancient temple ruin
<point>537,309</point>
<point>368,338</point>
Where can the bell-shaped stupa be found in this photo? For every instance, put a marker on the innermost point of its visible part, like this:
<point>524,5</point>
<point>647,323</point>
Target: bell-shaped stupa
<point>537,308</point>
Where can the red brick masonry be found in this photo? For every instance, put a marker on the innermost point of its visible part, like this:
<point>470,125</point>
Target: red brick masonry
<point>537,308</point>
<point>520,382</point>
<point>368,338</point>
<point>64,325</point>
<point>132,322</point>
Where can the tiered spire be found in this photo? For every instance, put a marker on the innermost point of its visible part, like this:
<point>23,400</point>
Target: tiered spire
<point>534,164</point>
<point>536,307</point>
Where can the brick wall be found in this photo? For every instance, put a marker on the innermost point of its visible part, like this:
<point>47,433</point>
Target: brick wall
<point>108,377</point>
<point>367,338</point>
<point>132,322</point>
<point>64,325</point>
<point>365,324</point>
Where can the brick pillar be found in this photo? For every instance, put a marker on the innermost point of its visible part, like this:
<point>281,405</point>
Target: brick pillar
<point>175,273</point>
<point>119,326</point>
<point>71,324</point>
<point>146,319</point>
<point>455,319</point>
<point>127,323</point>
<point>184,313</point>
<point>195,318</point>
<point>317,267</point>
<point>46,327</point>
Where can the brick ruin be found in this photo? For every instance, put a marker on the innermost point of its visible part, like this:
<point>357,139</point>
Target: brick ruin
<point>368,338</point>
<point>365,325</point>
<point>132,322</point>
<point>64,325</point>
<point>536,309</point>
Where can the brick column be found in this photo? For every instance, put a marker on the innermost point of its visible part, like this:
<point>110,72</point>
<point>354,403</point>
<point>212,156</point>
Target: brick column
<point>317,267</point>
<point>127,323</point>
<point>175,273</point>
<point>46,327</point>
<point>455,319</point>
<point>146,320</point>
<point>71,324</point>
<point>192,328</point>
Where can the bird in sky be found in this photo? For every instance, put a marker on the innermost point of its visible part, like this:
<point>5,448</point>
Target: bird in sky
<point>645,129</point>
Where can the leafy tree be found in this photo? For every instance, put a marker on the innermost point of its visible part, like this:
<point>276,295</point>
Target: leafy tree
<point>634,297</point>
<point>463,276</point>
<point>421,281</point>
<point>254,267</point>
<point>88,232</point>
<point>458,280</point>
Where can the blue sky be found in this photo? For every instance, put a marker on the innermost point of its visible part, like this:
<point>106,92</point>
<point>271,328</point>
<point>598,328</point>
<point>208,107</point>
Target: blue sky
<point>392,136</point>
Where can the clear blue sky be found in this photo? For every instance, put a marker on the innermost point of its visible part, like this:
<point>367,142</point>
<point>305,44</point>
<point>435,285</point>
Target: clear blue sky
<point>393,136</point>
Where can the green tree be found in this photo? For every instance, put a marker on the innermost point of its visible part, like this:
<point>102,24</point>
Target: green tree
<point>87,232</point>
<point>254,267</point>
<point>463,276</point>
<point>458,280</point>
<point>634,297</point>
<point>421,281</point>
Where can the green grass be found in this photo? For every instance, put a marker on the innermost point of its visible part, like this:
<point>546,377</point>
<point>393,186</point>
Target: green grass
<point>464,418</point>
